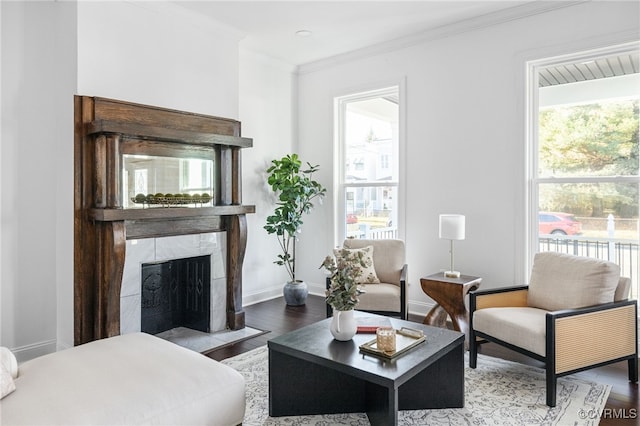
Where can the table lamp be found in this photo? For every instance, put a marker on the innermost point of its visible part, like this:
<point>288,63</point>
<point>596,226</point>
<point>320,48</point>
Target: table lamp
<point>452,228</point>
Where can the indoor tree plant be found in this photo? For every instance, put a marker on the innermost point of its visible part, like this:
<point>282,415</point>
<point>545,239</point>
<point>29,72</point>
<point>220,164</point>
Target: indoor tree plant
<point>295,190</point>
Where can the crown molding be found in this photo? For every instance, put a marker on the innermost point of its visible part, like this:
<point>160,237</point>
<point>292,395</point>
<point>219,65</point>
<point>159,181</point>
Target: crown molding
<point>513,13</point>
<point>268,60</point>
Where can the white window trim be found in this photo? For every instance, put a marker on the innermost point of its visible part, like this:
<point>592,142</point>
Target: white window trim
<point>340,101</point>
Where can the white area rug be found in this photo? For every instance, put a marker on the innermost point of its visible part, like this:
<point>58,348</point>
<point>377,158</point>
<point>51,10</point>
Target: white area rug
<point>498,392</point>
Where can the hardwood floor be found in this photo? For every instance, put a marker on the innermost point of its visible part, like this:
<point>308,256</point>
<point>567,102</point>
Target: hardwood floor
<point>275,316</point>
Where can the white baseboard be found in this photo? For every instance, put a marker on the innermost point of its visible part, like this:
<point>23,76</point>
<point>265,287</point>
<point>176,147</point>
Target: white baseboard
<point>316,289</point>
<point>272,293</point>
<point>34,350</point>
<point>420,308</point>
<point>262,296</point>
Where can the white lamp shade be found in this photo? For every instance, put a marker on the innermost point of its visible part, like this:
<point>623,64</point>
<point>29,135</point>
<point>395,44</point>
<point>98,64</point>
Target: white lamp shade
<point>452,226</point>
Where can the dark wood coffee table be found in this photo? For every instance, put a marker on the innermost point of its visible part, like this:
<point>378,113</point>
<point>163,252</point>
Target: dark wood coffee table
<point>311,373</point>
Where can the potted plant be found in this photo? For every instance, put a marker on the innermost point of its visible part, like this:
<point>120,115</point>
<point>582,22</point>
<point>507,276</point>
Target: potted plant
<point>343,290</point>
<point>295,190</point>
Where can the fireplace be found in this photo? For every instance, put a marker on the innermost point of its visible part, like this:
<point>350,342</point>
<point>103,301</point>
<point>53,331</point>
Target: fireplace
<point>176,293</point>
<point>143,175</point>
<point>160,251</point>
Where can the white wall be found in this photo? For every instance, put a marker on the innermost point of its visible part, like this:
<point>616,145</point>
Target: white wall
<point>267,112</point>
<point>155,54</point>
<point>151,53</point>
<point>38,68</point>
<point>65,64</point>
<point>465,135</point>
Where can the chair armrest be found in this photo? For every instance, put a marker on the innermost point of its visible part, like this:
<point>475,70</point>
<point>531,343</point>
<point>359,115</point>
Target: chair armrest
<point>403,275</point>
<point>329,308</point>
<point>498,298</point>
<point>403,292</point>
<point>582,337</point>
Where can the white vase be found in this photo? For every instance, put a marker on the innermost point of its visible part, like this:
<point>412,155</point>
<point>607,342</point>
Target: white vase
<point>343,325</point>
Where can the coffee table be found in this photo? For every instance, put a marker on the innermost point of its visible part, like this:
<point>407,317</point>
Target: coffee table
<point>311,373</point>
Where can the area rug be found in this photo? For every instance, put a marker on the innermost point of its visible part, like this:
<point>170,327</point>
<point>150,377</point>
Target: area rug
<point>498,392</point>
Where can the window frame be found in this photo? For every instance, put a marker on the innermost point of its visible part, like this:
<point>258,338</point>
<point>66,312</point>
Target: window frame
<point>340,185</point>
<point>533,181</point>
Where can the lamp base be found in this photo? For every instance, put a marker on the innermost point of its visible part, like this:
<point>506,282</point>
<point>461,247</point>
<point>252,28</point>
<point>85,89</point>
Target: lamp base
<point>452,274</point>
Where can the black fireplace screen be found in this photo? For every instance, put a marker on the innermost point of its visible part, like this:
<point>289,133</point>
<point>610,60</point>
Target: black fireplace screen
<point>176,293</point>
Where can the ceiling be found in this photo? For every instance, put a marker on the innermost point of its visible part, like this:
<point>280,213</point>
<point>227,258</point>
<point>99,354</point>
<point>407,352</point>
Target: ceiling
<point>603,67</point>
<point>339,27</point>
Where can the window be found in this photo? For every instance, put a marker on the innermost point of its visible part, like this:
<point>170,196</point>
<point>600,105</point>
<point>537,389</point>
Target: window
<point>368,148</point>
<point>584,166</point>
<point>384,161</point>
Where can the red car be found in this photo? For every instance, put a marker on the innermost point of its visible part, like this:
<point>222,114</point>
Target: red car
<point>558,223</point>
<point>352,218</point>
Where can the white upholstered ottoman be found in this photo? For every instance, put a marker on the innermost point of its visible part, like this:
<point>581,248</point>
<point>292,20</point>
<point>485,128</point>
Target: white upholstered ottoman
<point>131,379</point>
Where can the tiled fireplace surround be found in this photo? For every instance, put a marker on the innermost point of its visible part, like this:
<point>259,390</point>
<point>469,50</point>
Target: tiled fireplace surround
<point>148,250</point>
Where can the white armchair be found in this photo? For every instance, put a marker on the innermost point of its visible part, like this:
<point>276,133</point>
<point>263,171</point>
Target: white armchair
<point>573,316</point>
<point>387,297</point>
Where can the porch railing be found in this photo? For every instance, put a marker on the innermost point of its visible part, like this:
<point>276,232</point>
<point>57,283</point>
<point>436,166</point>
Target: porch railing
<point>366,232</point>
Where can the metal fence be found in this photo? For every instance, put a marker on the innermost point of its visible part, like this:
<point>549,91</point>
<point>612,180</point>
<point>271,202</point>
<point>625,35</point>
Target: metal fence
<point>621,252</point>
<point>366,232</point>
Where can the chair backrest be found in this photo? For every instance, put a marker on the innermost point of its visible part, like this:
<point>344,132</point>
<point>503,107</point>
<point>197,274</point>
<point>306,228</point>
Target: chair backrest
<point>563,281</point>
<point>622,291</point>
<point>388,257</point>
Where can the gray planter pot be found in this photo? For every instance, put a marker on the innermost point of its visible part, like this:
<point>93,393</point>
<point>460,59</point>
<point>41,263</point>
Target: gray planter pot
<point>295,293</point>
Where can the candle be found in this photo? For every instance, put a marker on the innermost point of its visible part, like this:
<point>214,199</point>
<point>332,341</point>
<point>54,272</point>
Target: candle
<point>386,339</point>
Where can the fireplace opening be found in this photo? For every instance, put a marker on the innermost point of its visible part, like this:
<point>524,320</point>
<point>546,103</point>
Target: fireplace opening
<point>176,293</point>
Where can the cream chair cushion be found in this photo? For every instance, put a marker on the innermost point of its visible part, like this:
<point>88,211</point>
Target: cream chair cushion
<point>561,281</point>
<point>380,297</point>
<point>522,327</point>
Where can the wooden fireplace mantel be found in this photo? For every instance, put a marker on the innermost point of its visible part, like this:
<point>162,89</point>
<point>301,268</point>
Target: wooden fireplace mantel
<point>105,129</point>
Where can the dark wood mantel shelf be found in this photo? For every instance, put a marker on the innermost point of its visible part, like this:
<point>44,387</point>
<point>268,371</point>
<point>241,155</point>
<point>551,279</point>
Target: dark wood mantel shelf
<point>165,134</point>
<point>107,130</point>
<point>108,215</point>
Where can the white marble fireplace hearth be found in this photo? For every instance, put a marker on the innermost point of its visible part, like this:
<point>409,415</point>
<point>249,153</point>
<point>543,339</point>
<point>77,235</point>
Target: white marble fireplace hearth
<point>205,342</point>
<point>163,249</point>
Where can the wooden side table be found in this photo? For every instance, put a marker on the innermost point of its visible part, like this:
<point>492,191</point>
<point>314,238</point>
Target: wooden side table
<point>449,295</point>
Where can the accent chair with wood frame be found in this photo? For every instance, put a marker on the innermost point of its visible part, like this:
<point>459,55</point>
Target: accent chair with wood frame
<point>387,297</point>
<point>574,315</point>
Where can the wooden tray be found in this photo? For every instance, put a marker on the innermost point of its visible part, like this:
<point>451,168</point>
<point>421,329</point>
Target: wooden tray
<point>406,338</point>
